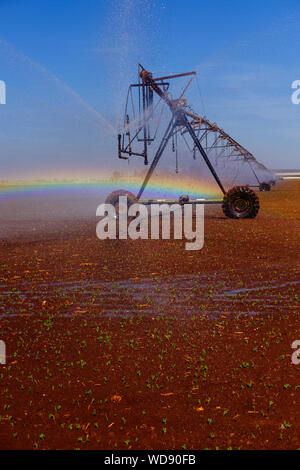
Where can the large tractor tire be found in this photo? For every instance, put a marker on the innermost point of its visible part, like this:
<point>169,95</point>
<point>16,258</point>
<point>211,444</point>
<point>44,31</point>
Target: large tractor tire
<point>240,202</point>
<point>113,198</point>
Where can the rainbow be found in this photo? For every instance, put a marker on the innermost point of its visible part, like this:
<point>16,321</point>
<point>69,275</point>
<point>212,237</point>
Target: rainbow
<point>158,187</point>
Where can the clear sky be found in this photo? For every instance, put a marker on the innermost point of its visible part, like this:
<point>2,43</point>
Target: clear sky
<point>67,65</point>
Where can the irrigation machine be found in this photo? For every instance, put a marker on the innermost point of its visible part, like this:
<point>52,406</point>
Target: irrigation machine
<point>146,101</point>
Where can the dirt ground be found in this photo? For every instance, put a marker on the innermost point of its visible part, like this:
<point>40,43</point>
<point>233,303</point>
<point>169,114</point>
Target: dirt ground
<point>123,344</point>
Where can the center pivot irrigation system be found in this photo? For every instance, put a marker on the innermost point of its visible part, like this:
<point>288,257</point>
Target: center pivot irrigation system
<point>141,130</point>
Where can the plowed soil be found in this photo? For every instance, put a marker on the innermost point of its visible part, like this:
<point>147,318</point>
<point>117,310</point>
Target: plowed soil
<point>122,344</point>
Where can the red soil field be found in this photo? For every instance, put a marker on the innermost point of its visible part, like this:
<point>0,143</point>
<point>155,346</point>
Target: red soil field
<point>123,344</point>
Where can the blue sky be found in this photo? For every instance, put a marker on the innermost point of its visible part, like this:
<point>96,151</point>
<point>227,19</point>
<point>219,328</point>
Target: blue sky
<point>67,65</point>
